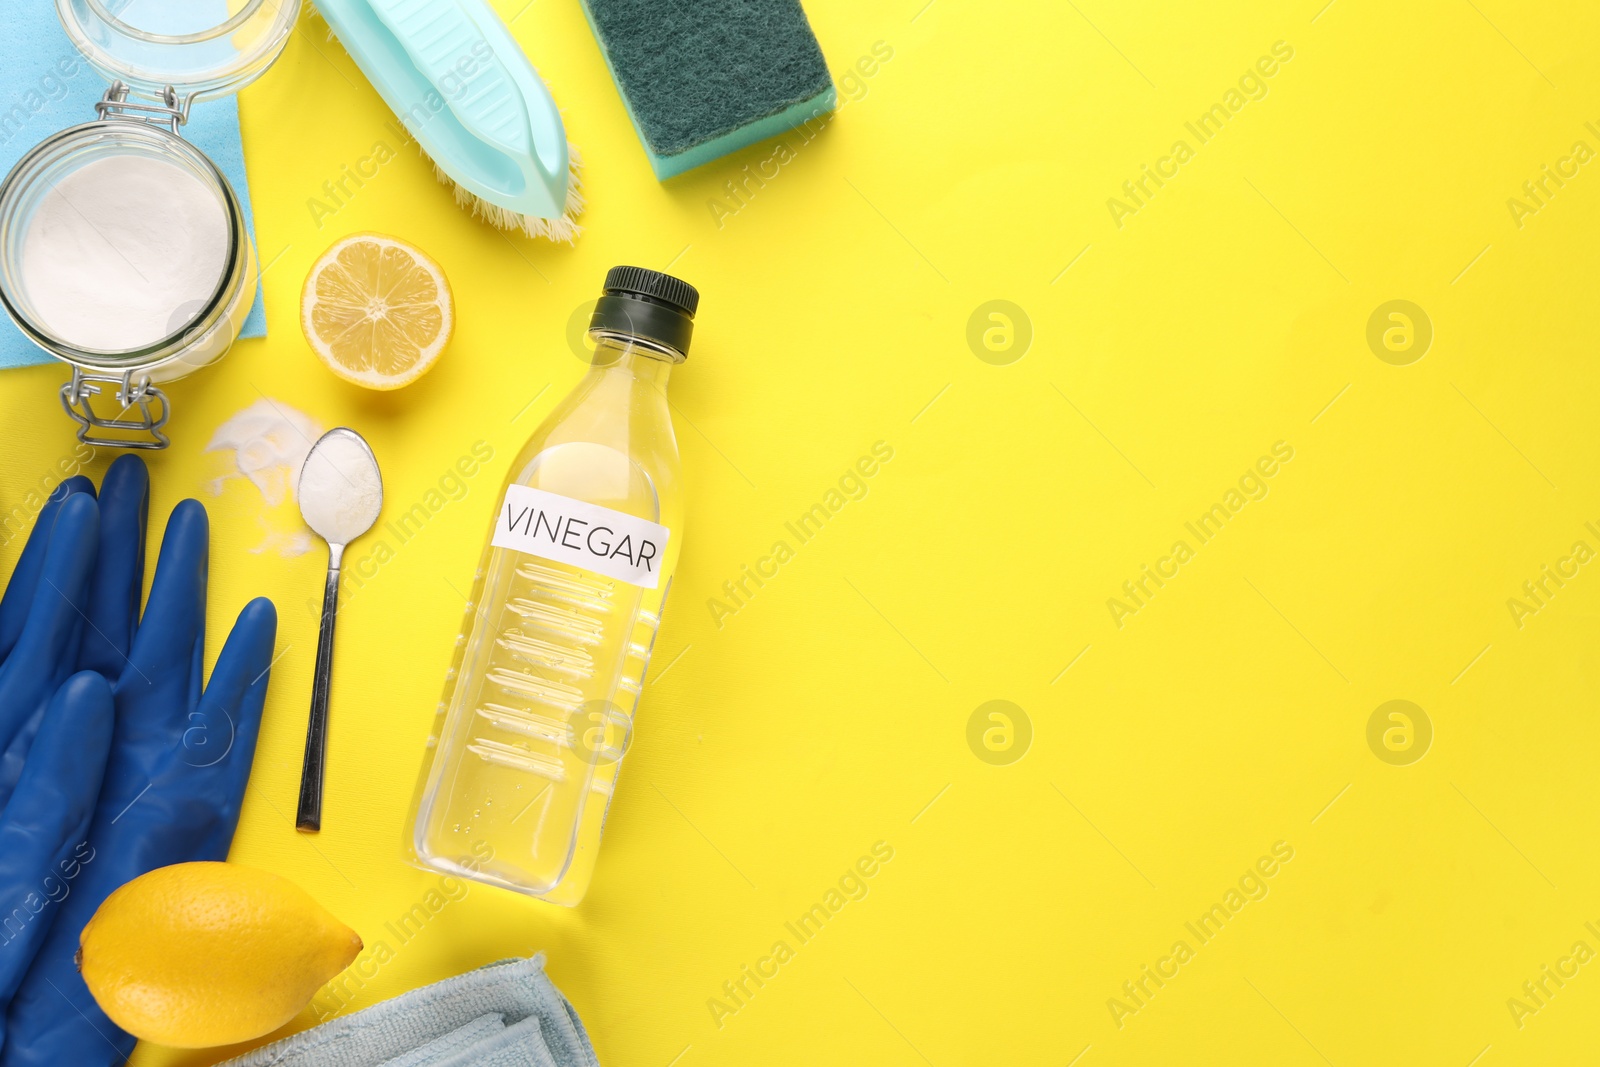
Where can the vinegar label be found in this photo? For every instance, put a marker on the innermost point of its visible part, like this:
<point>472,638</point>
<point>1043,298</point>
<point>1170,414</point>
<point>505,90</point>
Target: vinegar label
<point>588,536</point>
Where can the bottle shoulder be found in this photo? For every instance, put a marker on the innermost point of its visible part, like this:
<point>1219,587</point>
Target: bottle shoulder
<point>626,467</point>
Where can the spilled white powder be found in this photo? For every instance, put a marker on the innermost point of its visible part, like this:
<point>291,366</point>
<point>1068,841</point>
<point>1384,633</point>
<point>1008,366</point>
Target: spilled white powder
<point>123,252</point>
<point>267,443</point>
<point>341,491</point>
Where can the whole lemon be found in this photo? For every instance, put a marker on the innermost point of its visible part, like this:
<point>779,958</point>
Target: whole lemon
<point>202,954</point>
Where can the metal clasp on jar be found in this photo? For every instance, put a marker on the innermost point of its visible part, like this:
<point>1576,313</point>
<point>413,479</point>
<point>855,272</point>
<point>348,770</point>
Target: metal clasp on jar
<point>130,394</point>
<point>172,112</point>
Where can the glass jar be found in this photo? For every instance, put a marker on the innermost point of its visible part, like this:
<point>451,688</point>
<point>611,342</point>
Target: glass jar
<point>161,57</point>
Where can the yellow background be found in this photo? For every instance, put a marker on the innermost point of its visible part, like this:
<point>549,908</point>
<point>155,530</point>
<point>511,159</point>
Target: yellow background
<point>1229,313</point>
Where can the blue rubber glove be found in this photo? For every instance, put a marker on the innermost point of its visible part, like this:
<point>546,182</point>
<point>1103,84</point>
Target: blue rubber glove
<point>18,600</point>
<point>113,610</point>
<point>180,756</point>
<point>55,731</point>
<point>44,830</point>
<point>42,617</point>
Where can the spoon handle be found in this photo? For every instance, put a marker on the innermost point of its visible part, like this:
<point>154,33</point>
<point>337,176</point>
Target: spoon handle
<point>309,817</point>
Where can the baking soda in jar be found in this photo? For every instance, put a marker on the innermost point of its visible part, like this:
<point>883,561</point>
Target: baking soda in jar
<point>123,252</point>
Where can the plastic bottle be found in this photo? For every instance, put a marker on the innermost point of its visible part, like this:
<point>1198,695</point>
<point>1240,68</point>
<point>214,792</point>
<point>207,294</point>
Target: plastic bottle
<point>538,706</point>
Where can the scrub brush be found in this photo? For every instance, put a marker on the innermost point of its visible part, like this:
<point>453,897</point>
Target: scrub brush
<point>705,78</point>
<point>452,72</point>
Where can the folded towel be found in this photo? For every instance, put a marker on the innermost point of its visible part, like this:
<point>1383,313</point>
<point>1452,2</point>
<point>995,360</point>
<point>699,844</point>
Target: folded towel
<point>46,86</point>
<point>507,1014</point>
<point>515,1046</point>
<point>453,1043</point>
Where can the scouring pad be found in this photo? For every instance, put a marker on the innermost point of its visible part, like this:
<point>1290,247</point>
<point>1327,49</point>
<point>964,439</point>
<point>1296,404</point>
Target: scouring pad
<point>703,78</point>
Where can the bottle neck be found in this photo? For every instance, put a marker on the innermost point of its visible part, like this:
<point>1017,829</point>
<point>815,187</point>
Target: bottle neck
<point>623,360</point>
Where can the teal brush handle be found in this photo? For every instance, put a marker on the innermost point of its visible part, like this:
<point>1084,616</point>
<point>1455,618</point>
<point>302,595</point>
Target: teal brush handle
<point>459,81</point>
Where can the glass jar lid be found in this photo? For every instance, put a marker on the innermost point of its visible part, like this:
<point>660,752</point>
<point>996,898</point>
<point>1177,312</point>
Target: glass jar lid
<point>202,48</point>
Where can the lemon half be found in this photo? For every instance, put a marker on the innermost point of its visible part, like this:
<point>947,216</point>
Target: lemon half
<point>377,311</point>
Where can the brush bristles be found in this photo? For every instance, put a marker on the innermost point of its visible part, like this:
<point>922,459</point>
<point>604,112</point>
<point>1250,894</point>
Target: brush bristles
<point>565,228</point>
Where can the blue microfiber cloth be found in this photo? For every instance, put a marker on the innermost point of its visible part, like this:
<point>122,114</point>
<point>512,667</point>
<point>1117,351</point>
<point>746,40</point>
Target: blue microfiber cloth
<point>507,1014</point>
<point>455,1043</point>
<point>46,86</point>
<point>705,78</point>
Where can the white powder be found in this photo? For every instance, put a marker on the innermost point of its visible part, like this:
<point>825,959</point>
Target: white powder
<point>123,252</point>
<point>340,489</point>
<point>267,443</point>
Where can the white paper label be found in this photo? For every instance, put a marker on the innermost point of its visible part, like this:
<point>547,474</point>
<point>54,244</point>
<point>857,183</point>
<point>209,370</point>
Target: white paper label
<point>588,536</point>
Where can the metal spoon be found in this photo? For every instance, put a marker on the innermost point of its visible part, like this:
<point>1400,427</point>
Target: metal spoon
<point>341,494</point>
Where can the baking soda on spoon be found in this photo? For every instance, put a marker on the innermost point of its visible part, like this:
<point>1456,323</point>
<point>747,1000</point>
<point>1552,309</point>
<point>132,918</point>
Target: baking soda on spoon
<point>340,488</point>
<point>123,253</point>
<point>341,494</point>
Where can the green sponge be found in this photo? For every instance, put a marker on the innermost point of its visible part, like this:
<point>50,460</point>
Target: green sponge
<point>703,78</point>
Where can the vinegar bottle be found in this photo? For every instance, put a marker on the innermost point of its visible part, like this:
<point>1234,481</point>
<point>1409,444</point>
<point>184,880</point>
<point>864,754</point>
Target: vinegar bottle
<point>538,707</point>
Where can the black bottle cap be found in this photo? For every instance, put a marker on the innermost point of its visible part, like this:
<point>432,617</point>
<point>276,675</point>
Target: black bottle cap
<point>648,305</point>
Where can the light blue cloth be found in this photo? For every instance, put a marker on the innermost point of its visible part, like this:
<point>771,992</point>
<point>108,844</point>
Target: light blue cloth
<point>46,86</point>
<point>507,1014</point>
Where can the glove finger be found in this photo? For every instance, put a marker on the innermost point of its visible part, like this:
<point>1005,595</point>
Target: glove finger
<point>188,775</point>
<point>44,832</point>
<point>170,803</point>
<point>119,568</point>
<point>19,591</point>
<point>48,644</point>
<point>175,616</point>
<point>221,738</point>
